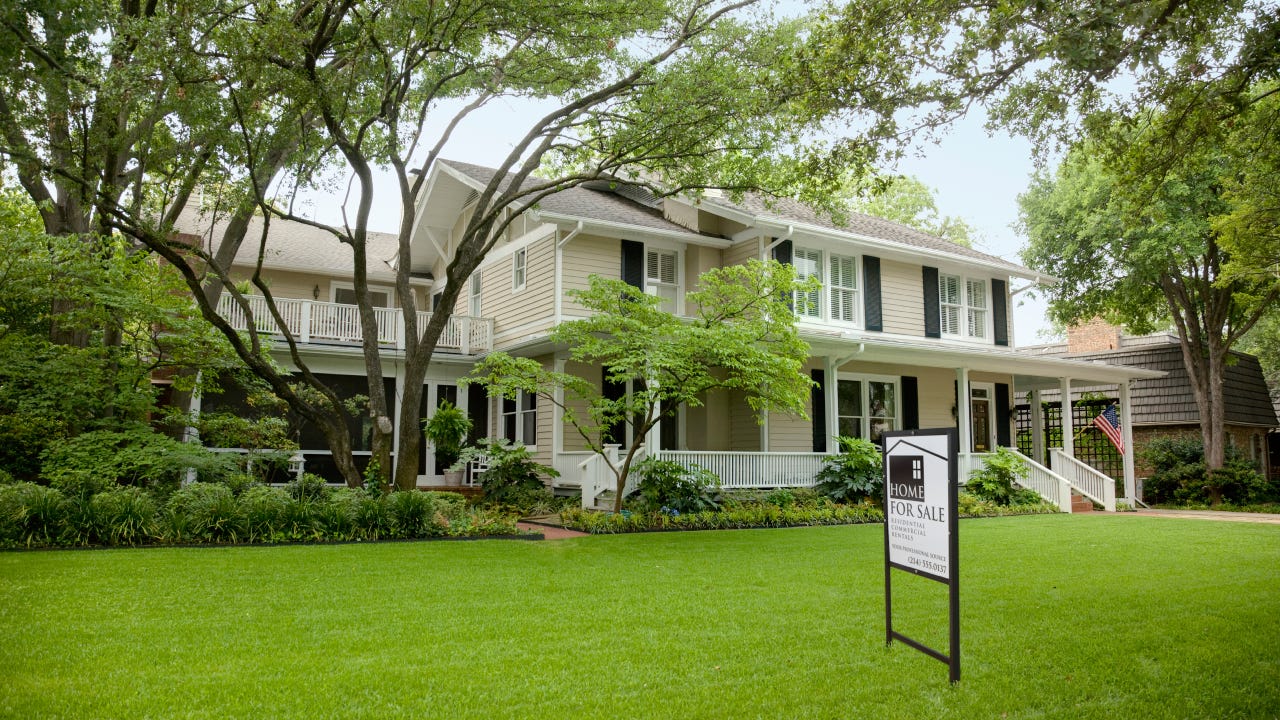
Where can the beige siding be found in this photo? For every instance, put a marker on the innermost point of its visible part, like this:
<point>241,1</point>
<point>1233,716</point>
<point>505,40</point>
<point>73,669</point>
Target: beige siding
<point>584,256</point>
<point>902,297</point>
<point>573,441</point>
<point>791,433</point>
<point>739,253</point>
<point>744,431</point>
<point>530,308</point>
<point>292,285</point>
<point>706,427</point>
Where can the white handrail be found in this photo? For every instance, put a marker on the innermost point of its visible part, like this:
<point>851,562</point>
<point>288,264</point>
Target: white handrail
<point>752,469</point>
<point>1085,480</point>
<point>1048,484</point>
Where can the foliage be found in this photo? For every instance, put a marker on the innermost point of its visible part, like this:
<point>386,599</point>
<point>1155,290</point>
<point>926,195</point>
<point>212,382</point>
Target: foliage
<point>31,515</point>
<point>511,473</point>
<point>906,199</point>
<point>123,516</point>
<point>447,428</point>
<point>745,515</point>
<point>670,487</point>
<point>972,506</point>
<point>204,512</point>
<point>309,487</point>
<point>856,474</point>
<point>131,456</point>
<point>1180,476</point>
<point>740,335</point>
<point>998,478</point>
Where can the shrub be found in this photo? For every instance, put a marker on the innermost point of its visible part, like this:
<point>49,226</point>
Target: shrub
<point>134,456</point>
<point>511,468</point>
<point>204,512</point>
<point>675,489</point>
<point>309,487</point>
<point>371,515</point>
<point>1181,477</point>
<point>995,480</point>
<point>856,474</point>
<point>447,428</point>
<point>263,509</point>
<point>336,519</point>
<point>413,515</point>
<point>31,514</point>
<point>453,506</point>
<point>23,439</point>
<point>123,516</point>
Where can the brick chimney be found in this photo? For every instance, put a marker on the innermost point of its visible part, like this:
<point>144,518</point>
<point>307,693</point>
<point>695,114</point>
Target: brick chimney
<point>1097,335</point>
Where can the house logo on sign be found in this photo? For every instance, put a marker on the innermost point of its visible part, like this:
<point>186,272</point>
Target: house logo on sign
<point>906,478</point>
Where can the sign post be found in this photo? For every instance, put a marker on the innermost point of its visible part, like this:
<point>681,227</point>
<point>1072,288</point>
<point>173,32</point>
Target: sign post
<point>920,524</point>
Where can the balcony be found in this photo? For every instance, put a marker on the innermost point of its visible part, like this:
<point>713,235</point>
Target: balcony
<point>311,321</point>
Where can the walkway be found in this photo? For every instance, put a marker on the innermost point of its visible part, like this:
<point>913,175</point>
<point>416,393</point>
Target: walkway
<point>550,532</point>
<point>1265,518</point>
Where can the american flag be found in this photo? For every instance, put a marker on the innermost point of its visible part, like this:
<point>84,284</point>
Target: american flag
<point>1108,421</point>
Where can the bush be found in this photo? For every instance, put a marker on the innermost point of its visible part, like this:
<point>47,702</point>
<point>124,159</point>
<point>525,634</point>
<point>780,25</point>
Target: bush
<point>511,470</point>
<point>413,515</point>
<point>970,505</point>
<point>31,515</point>
<point>309,487</point>
<point>672,488</point>
<point>263,509</point>
<point>204,512</point>
<point>995,480</point>
<point>1181,477</point>
<point>856,474</point>
<point>123,516</point>
<point>135,456</point>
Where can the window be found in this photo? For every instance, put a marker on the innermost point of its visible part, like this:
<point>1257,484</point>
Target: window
<point>844,288</point>
<point>518,263</point>
<point>474,297</point>
<point>520,418</point>
<point>866,406</point>
<point>963,315</point>
<point>808,264</point>
<point>346,295</point>
<point>662,277</point>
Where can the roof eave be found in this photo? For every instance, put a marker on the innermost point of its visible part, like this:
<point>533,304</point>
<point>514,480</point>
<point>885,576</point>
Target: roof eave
<point>629,229</point>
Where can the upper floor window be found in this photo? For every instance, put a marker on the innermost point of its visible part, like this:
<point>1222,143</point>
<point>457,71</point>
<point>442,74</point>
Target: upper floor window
<point>474,294</point>
<point>345,294</point>
<point>518,268</point>
<point>837,300</point>
<point>963,306</point>
<point>662,277</point>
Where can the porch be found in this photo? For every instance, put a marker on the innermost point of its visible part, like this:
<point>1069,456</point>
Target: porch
<point>312,321</point>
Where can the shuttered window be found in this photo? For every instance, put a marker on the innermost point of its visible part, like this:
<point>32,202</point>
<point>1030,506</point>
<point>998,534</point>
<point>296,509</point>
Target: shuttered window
<point>662,277</point>
<point>963,307</point>
<point>976,299</point>
<point>843,286</point>
<point>808,264</point>
<point>949,303</point>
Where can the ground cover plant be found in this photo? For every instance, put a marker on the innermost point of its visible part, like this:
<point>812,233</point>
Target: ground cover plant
<point>1145,617</point>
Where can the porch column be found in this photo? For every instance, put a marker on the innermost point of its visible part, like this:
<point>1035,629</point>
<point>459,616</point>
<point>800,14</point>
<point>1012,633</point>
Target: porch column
<point>1126,436</point>
<point>1037,429</point>
<point>831,386</point>
<point>557,414</point>
<point>1068,424</point>
<point>964,424</point>
<point>764,430</point>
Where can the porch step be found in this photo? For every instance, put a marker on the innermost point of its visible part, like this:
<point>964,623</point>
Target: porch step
<point>1080,503</point>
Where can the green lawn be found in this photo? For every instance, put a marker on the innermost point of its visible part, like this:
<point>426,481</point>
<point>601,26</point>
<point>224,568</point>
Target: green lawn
<point>1063,616</point>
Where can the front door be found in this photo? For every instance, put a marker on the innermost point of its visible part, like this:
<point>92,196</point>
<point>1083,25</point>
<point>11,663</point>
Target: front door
<point>980,414</point>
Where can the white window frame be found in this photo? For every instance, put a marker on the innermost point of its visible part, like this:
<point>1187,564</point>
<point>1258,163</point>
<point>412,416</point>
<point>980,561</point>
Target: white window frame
<point>866,417</point>
<point>519,412</point>
<point>519,269</point>
<point>855,289</point>
<point>823,310</point>
<point>651,284</point>
<point>475,289</point>
<point>965,307</point>
<point>336,285</point>
<point>803,310</point>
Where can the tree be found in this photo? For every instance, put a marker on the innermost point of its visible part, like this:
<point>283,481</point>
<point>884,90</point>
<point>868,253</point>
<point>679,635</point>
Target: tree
<point>1143,254</point>
<point>741,337</point>
<point>905,199</point>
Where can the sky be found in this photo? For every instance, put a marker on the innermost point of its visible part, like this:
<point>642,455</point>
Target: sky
<point>974,175</point>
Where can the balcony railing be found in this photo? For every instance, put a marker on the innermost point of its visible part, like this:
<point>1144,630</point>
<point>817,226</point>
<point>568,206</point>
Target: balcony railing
<point>311,321</point>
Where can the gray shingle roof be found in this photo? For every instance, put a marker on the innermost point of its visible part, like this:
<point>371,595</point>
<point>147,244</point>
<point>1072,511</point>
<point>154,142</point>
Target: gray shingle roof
<point>793,211</point>
<point>1170,400</point>
<point>293,246</point>
<point>586,202</point>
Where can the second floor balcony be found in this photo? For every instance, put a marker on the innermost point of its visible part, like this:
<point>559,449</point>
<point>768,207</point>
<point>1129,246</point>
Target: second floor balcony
<point>312,321</point>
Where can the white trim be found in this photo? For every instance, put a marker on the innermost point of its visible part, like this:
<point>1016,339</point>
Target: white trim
<point>964,307</point>
<point>616,229</point>
<point>990,399</point>
<point>336,285</point>
<point>519,269</point>
<point>865,400</point>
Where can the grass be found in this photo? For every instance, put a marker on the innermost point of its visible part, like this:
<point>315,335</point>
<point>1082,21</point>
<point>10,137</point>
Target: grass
<point>1062,617</point>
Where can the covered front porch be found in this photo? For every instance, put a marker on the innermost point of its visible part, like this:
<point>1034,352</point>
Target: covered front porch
<point>865,388</point>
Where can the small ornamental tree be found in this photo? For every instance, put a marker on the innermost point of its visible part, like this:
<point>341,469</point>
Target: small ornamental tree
<point>740,335</point>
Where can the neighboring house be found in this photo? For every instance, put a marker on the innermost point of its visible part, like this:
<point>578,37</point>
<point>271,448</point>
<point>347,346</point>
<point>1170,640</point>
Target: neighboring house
<point>1166,406</point>
<point>908,331</point>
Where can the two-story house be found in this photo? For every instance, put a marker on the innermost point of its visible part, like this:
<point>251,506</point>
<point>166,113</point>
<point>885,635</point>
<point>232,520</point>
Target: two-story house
<point>908,331</point>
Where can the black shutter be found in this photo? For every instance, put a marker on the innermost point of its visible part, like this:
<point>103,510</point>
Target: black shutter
<point>478,411</point>
<point>910,403</point>
<point>616,433</point>
<point>871,289</point>
<point>633,264</point>
<point>819,412</point>
<point>782,252</point>
<point>932,318</point>
<point>435,301</point>
<point>1003,438</point>
<point>955,409</point>
<point>999,313</point>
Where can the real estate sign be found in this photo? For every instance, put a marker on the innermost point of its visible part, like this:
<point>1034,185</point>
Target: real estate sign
<point>921,523</point>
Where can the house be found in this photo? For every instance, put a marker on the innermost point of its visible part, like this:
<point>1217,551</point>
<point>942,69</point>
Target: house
<point>1163,406</point>
<point>908,331</point>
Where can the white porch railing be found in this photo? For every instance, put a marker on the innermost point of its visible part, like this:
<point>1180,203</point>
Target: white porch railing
<point>752,469</point>
<point>1050,485</point>
<point>595,477</point>
<point>566,463</point>
<point>1084,479</point>
<point>314,321</point>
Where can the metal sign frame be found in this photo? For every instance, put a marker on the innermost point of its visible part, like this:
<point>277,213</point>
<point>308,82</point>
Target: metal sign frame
<point>892,440</point>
